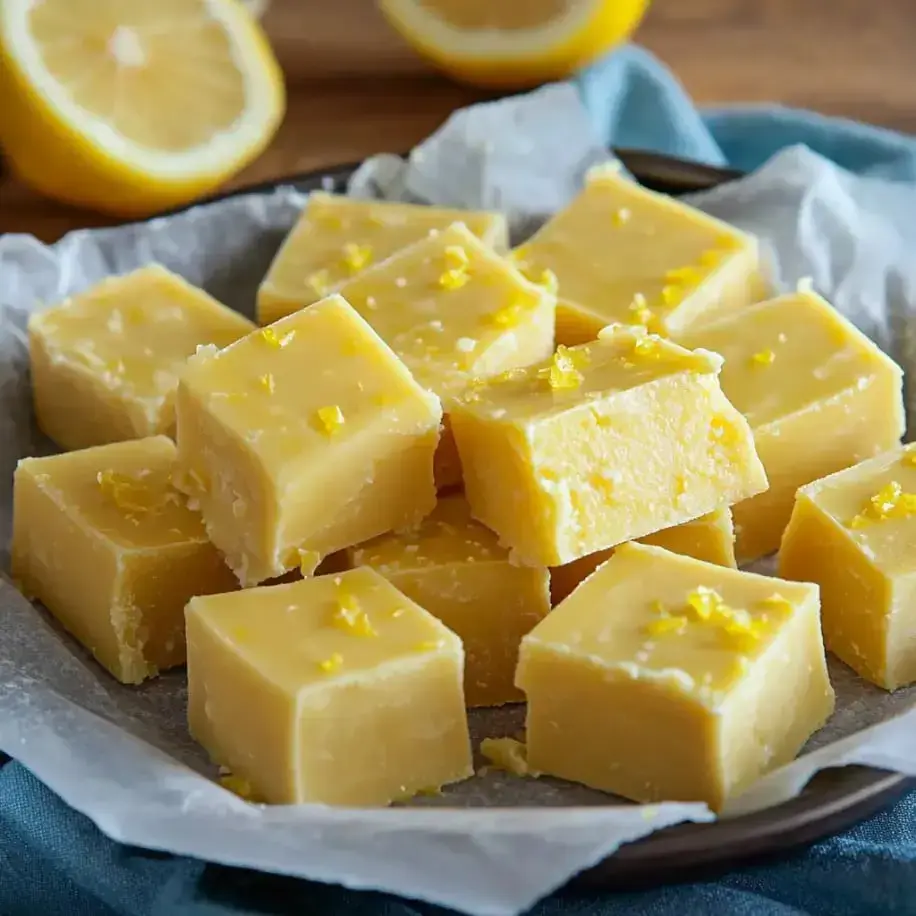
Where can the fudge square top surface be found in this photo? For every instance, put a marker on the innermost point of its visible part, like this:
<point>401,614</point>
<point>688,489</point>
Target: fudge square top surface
<point>875,502</point>
<point>337,237</point>
<point>453,309</point>
<point>123,491</point>
<point>304,389</point>
<point>788,354</point>
<point>628,254</point>
<point>620,360</point>
<point>136,331</point>
<point>693,627</point>
<point>447,535</point>
<point>313,632</point>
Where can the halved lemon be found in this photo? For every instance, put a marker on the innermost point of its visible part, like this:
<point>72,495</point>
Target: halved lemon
<point>132,106</point>
<point>513,43</point>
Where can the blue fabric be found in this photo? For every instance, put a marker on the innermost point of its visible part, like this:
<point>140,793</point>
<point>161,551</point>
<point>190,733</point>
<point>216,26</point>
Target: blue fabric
<point>635,102</point>
<point>54,862</point>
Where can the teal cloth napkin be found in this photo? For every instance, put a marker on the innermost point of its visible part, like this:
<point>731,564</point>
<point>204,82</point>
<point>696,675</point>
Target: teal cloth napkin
<point>54,861</point>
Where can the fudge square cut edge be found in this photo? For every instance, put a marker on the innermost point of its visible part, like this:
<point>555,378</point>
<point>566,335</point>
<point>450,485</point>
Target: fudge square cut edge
<point>455,568</point>
<point>710,538</point>
<point>337,237</point>
<point>604,443</point>
<point>818,394</point>
<point>304,438</point>
<point>664,678</point>
<point>623,253</point>
<point>334,690</point>
<point>104,363</point>
<point>853,534</point>
<point>110,548</point>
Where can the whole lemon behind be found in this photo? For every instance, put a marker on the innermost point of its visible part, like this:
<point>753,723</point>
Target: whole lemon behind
<point>130,107</point>
<point>513,44</point>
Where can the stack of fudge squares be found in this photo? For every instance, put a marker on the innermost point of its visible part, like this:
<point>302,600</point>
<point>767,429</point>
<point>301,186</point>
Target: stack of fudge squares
<point>442,474</point>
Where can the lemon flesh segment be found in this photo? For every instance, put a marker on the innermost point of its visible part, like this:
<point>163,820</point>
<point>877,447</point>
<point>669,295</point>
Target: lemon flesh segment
<point>512,44</point>
<point>132,107</point>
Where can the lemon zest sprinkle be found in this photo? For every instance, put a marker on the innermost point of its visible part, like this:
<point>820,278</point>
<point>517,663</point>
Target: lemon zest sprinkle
<point>331,663</point>
<point>331,419</point>
<point>357,257</point>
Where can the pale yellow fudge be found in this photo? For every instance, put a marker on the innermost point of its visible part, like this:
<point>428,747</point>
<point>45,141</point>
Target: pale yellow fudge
<point>455,568</point>
<point>104,541</point>
<point>454,311</point>
<point>303,438</point>
<point>710,537</point>
<point>818,394</point>
<point>625,254</point>
<point>105,363</point>
<point>663,678</point>
<point>337,237</point>
<point>853,533</point>
<point>336,690</point>
<point>603,443</point>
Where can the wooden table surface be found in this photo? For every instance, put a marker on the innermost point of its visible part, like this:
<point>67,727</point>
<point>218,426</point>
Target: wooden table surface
<point>354,89</point>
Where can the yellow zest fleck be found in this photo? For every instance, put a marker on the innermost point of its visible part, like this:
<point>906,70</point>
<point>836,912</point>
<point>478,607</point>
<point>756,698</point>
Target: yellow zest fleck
<point>723,431</point>
<point>711,257</point>
<point>266,381</point>
<point>763,358</point>
<point>456,256</point>
<point>647,346</point>
<point>127,493</point>
<point>508,316</point>
<point>706,602</point>
<point>319,282</point>
<point>665,625</point>
<point>331,663</point>
<point>683,275</point>
<point>563,371</point>
<point>272,339</point>
<point>507,754</point>
<point>308,561</point>
<point>602,483</point>
<point>329,219</point>
<point>889,502</point>
<point>621,216</point>
<point>548,279</point>
<point>237,785</point>
<point>909,459</point>
<point>671,295</point>
<point>726,242</point>
<point>350,617</point>
<point>454,278</point>
<point>330,419</point>
<point>356,257</point>
<point>429,645</point>
<point>383,399</point>
<point>640,309</point>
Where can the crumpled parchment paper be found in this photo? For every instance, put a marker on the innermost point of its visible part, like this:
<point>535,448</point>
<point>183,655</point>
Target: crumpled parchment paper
<point>494,844</point>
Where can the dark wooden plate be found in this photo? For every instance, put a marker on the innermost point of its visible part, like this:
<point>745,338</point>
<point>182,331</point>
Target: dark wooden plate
<point>833,800</point>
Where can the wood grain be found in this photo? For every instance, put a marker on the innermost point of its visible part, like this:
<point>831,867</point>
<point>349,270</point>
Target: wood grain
<point>355,89</point>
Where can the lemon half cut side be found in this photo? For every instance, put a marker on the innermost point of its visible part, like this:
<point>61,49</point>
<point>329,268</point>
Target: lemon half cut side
<point>513,43</point>
<point>132,107</point>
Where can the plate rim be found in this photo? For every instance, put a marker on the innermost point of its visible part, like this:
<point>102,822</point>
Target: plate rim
<point>833,800</point>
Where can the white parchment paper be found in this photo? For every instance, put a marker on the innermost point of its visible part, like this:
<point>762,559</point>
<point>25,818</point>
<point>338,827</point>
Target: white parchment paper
<point>494,844</point>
